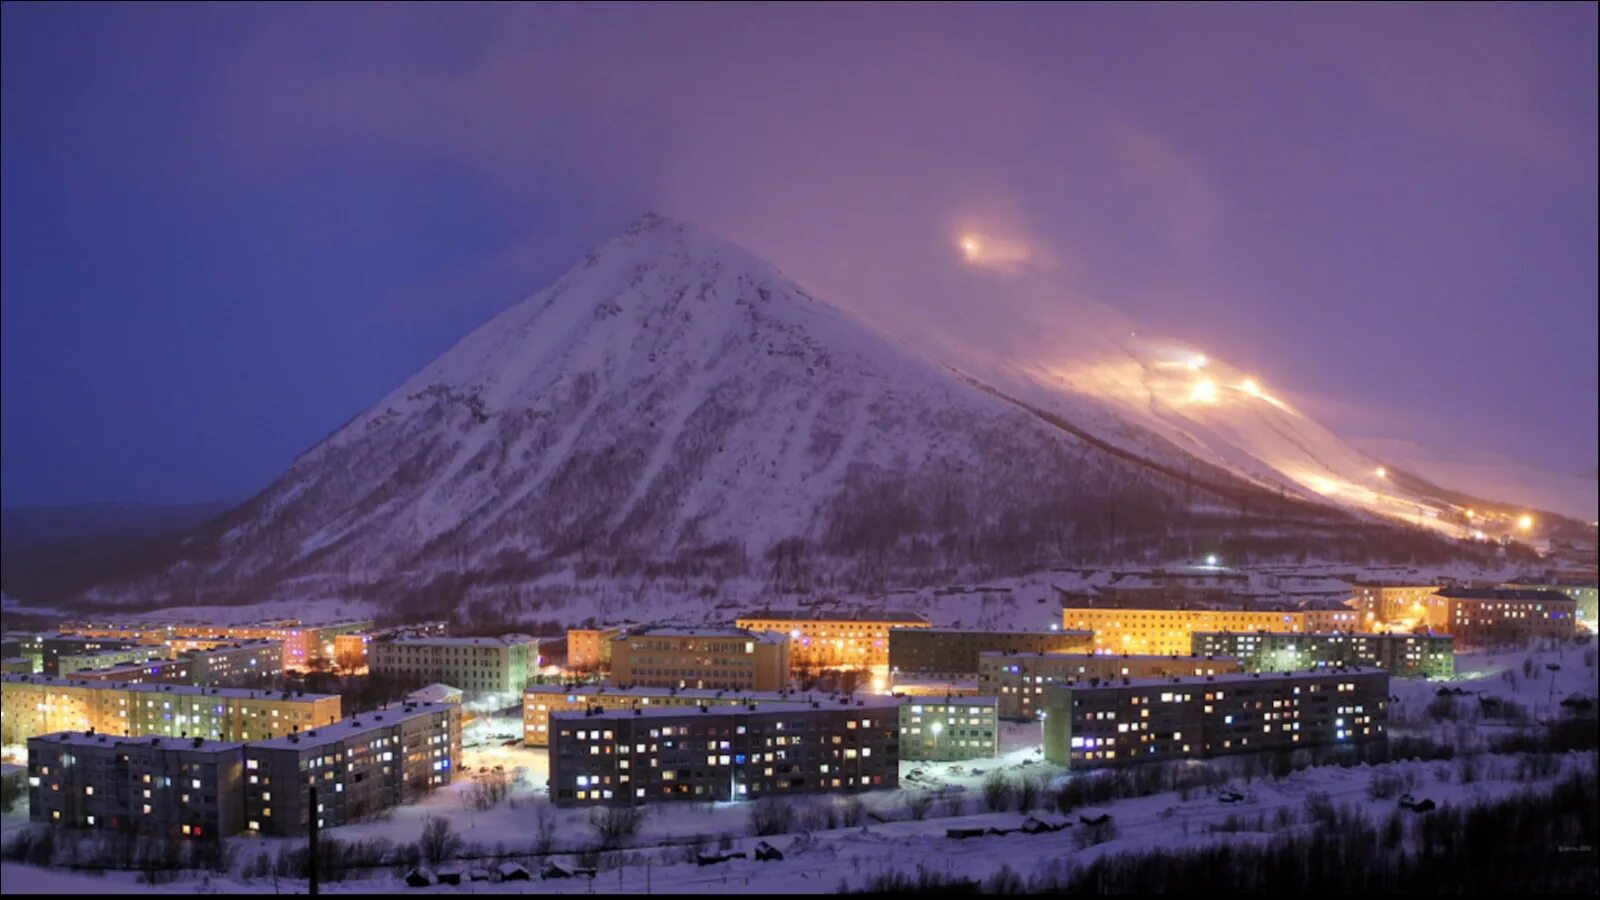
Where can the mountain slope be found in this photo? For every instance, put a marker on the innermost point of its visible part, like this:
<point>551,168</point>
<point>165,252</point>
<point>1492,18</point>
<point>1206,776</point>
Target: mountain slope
<point>674,405</point>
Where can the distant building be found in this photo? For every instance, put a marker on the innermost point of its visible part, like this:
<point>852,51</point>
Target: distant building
<point>75,647</point>
<point>359,766</point>
<point>721,753</point>
<point>1018,680</point>
<point>949,728</point>
<point>589,649</point>
<point>477,665</point>
<point>925,686</point>
<point>87,661</point>
<point>151,671</point>
<point>541,701</point>
<point>161,787</point>
<point>701,658</point>
<point>1166,632</point>
<point>1153,720</point>
<point>32,705</point>
<point>23,645</point>
<point>955,651</point>
<point>240,664</point>
<point>1488,617</point>
<point>1586,595</point>
<point>833,640</point>
<point>1425,655</point>
<point>1398,605</point>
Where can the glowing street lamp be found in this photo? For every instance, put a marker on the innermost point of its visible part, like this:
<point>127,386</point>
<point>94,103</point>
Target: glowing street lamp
<point>1526,522</point>
<point>1211,559</point>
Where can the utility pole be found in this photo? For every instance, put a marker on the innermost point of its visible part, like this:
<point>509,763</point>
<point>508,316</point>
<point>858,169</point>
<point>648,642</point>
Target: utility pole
<point>313,835</point>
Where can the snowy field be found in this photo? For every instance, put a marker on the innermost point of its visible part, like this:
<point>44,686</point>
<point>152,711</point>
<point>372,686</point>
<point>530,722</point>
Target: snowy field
<point>880,833</point>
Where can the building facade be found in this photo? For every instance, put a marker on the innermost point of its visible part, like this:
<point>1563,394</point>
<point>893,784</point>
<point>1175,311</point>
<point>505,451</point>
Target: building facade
<point>1166,632</point>
<point>701,658</point>
<point>359,766</point>
<point>949,728</point>
<point>722,753</point>
<point>1018,680</point>
<point>833,640</point>
<point>1421,655</point>
<point>55,646</point>
<point>1154,720</point>
<point>1398,605</point>
<point>477,665</point>
<point>1585,594</point>
<point>148,786</point>
<point>73,663</point>
<point>954,652</point>
<point>35,704</point>
<point>541,701</point>
<point>1492,617</point>
<point>589,649</point>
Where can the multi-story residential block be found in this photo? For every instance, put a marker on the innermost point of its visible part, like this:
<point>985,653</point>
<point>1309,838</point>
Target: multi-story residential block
<point>16,665</point>
<point>833,640</point>
<point>359,766</point>
<point>1018,680</point>
<point>72,663</point>
<point>1488,617</point>
<point>56,645</point>
<point>308,646</point>
<point>720,753</point>
<point>155,786</point>
<point>949,728</point>
<point>540,701</point>
<point>589,649</point>
<point>239,664</point>
<point>953,652</point>
<point>930,686</point>
<point>1151,720</point>
<point>24,645</point>
<point>477,665</point>
<point>1584,593</point>
<point>350,647</point>
<point>1426,655</point>
<point>36,704</point>
<point>151,671</point>
<point>1398,605</point>
<point>716,658</point>
<point>138,632</point>
<point>1166,632</point>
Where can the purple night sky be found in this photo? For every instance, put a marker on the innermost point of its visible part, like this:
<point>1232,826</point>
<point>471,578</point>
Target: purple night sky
<point>227,229</point>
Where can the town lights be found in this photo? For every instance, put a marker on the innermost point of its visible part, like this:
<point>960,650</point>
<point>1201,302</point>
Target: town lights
<point>1250,386</point>
<point>1205,391</point>
<point>1526,522</point>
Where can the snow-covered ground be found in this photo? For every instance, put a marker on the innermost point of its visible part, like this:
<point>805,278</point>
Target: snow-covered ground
<point>821,858</point>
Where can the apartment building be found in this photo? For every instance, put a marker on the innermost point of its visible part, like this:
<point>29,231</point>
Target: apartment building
<point>857,639</point>
<point>1018,680</point>
<point>1491,617</point>
<point>1421,655</point>
<point>1585,594</point>
<point>589,649</point>
<point>949,728</point>
<point>721,753</point>
<point>138,632</point>
<point>151,671</point>
<point>1399,605</point>
<point>72,663</point>
<point>701,658</point>
<point>953,652</point>
<point>540,701</point>
<point>24,645</point>
<point>161,787</point>
<point>359,766</point>
<point>1156,719</point>
<point>1167,632</point>
<point>477,665</point>
<point>36,704</point>
<point>56,645</point>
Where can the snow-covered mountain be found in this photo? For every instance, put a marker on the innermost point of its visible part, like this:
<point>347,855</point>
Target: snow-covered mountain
<point>673,405</point>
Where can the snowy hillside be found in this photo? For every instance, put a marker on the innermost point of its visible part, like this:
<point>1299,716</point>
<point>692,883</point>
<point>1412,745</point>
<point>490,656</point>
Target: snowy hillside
<point>673,405</point>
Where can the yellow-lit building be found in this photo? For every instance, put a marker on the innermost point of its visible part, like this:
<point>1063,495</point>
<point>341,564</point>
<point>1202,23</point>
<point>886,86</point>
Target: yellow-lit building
<point>833,640</point>
<point>589,649</point>
<point>1166,632</point>
<point>36,704</point>
<point>1396,605</point>
<point>716,658</point>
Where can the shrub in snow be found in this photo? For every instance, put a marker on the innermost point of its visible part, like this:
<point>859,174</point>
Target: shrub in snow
<point>996,791</point>
<point>614,824</point>
<point>771,815</point>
